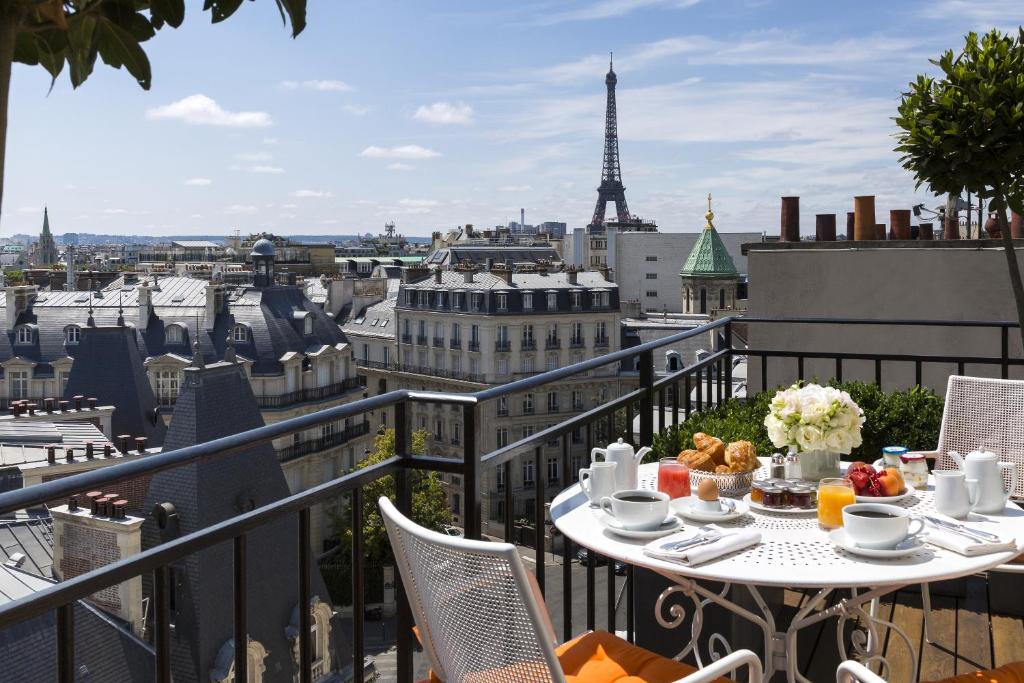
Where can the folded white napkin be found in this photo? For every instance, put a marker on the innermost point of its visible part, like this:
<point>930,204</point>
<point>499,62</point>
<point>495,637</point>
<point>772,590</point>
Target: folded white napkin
<point>950,540</point>
<point>731,541</point>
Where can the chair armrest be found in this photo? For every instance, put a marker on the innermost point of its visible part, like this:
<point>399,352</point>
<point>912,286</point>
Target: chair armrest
<point>726,665</point>
<point>855,672</point>
<point>929,455</point>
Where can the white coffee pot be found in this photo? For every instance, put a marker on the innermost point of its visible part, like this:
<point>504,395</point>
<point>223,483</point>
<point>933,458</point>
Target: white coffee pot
<point>985,473</point>
<point>627,462</point>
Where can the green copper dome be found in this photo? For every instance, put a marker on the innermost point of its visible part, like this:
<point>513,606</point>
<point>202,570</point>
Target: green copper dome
<point>709,257</point>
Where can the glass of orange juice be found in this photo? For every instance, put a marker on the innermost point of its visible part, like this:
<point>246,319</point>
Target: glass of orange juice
<point>833,496</point>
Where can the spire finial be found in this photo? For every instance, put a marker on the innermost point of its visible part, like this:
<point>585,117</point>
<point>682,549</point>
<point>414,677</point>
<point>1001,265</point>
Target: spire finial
<point>611,60</point>
<point>710,215</point>
<point>120,310</point>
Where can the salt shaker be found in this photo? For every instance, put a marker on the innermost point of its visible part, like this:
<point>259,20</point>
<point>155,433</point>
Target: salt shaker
<point>791,466</point>
<point>778,466</point>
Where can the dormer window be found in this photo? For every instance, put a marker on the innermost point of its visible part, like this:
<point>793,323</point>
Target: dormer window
<point>174,334</point>
<point>240,334</point>
<point>72,334</point>
<point>502,302</point>
<point>527,301</point>
<point>307,325</point>
<point>23,334</point>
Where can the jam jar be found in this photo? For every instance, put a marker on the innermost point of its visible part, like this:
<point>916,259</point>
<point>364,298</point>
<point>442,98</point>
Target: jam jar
<point>772,497</point>
<point>757,491</point>
<point>801,497</point>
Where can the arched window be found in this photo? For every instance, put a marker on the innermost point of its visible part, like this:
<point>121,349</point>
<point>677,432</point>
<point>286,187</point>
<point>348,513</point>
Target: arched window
<point>240,334</point>
<point>72,334</point>
<point>23,334</point>
<point>320,636</point>
<point>255,654</point>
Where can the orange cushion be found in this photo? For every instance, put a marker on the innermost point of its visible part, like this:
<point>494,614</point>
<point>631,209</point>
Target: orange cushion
<point>1010,673</point>
<point>600,657</point>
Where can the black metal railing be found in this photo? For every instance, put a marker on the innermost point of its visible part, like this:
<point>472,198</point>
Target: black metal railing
<point>711,377</point>
<point>375,364</point>
<point>601,342</point>
<point>439,342</point>
<point>407,339</point>
<point>474,345</point>
<point>576,343</point>
<point>528,344</point>
<point>503,345</point>
<point>455,343</point>
<point>552,343</point>
<point>421,340</point>
<point>312,394</point>
<point>322,443</point>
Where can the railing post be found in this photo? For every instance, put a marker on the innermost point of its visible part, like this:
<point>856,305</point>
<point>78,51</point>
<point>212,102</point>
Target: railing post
<point>1005,351</point>
<point>471,472</point>
<point>305,618</point>
<point>66,643</point>
<point>403,501</point>
<point>241,603</point>
<point>357,584</point>
<point>162,624</point>
<point>727,343</point>
<point>647,398</point>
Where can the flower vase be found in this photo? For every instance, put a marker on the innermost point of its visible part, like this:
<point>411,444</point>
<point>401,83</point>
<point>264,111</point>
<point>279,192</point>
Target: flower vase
<point>818,465</point>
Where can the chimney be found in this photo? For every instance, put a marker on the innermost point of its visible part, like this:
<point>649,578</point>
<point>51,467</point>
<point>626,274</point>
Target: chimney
<point>489,264</point>
<point>879,231</point>
<point>467,271</point>
<point>1016,225</point>
<point>437,275</point>
<point>864,218</point>
<point>790,219</point>
<point>214,304</point>
<point>522,219</point>
<point>503,271</point>
<point>414,273</point>
<point>124,439</point>
<point>84,540</point>
<point>825,227</point>
<point>925,231</point>
<point>140,444</point>
<point>849,225</point>
<point>19,300</point>
<point>145,294</point>
<point>571,274</point>
<point>92,403</point>
<point>605,271</point>
<point>78,401</point>
<point>899,219</point>
<point>543,265</point>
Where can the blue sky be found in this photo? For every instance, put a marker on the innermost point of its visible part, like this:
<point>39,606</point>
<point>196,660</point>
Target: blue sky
<point>444,113</point>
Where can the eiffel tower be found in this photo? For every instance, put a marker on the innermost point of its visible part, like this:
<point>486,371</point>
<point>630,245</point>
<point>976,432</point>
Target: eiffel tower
<point>611,189</point>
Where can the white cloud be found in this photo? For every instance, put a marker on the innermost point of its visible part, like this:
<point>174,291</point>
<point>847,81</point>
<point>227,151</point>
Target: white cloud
<point>399,166</point>
<point>355,109</point>
<point>419,202</point>
<point>289,206</point>
<point>240,209</point>
<point>115,211</point>
<point>260,168</point>
<point>608,9</point>
<point>269,141</point>
<point>254,156</point>
<point>200,110</point>
<point>322,86</point>
<point>310,194</point>
<point>198,182</point>
<point>399,152</point>
<point>445,113</point>
<point>983,15</point>
<point>514,188</point>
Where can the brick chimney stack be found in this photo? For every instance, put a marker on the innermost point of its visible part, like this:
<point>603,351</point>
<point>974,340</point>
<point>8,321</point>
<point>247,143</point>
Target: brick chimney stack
<point>503,271</point>
<point>571,274</point>
<point>925,231</point>
<point>214,304</point>
<point>790,219</point>
<point>145,293</point>
<point>19,300</point>
<point>825,227</point>
<point>849,225</point>
<point>899,219</point>
<point>864,218</point>
<point>879,231</point>
<point>84,539</point>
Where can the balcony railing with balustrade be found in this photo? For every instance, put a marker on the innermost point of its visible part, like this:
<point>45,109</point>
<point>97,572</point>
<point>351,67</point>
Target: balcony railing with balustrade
<point>552,343</point>
<point>503,345</point>
<point>601,342</point>
<point>312,394</point>
<point>421,339</point>
<point>439,342</point>
<point>576,343</point>
<point>711,377</point>
<point>322,443</point>
<point>528,344</point>
<point>455,343</point>
<point>474,345</point>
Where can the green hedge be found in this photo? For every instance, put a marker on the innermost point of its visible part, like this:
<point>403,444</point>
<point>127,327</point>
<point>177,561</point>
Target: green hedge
<point>908,418</point>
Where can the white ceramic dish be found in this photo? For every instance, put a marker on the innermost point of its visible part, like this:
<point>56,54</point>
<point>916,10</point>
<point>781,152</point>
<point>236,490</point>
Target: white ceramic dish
<point>684,507</point>
<point>887,499</point>
<point>671,525</point>
<point>757,507</point>
<point>908,547</point>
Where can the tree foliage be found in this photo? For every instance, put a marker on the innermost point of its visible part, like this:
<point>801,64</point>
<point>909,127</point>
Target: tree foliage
<point>429,502</point>
<point>55,34</point>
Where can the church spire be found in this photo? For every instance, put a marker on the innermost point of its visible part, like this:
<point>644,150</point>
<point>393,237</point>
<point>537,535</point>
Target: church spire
<point>46,221</point>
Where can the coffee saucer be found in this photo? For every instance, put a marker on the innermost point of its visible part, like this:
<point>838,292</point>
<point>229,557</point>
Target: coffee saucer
<point>908,546</point>
<point>671,525</point>
<point>686,507</point>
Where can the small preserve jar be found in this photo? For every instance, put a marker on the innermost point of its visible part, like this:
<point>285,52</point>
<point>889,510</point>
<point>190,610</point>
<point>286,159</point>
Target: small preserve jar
<point>801,497</point>
<point>757,491</point>
<point>893,455</point>
<point>772,497</point>
<point>914,468</point>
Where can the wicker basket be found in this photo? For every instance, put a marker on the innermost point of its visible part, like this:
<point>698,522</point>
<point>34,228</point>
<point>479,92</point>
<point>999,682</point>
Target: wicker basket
<point>732,485</point>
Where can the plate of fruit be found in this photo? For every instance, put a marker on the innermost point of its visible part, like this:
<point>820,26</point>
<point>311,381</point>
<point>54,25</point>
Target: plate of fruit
<point>873,485</point>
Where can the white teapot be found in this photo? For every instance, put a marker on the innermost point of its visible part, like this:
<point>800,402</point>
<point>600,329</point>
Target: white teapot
<point>985,476</point>
<point>627,462</point>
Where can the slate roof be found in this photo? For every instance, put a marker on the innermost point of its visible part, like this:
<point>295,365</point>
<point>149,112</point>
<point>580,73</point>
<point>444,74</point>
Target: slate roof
<point>267,312</point>
<point>377,320</point>
<point>108,366</point>
<point>709,257</point>
<point>31,538</point>
<point>451,279</point>
<point>217,401</point>
<point>105,651</point>
<point>478,255</point>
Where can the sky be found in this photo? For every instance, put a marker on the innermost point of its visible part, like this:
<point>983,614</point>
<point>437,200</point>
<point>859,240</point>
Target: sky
<point>438,114</point>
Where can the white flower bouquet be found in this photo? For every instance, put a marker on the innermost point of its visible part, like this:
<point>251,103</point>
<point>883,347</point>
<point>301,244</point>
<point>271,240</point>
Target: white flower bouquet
<point>814,418</point>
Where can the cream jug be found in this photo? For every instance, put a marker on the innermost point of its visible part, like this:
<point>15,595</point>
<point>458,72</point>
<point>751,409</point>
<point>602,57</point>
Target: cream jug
<point>627,462</point>
<point>986,471</point>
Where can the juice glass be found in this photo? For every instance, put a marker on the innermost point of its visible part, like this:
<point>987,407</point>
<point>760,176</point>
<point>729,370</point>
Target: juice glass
<point>833,496</point>
<point>673,478</point>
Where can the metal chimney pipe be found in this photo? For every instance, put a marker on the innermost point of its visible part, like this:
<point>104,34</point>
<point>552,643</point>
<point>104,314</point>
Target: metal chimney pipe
<point>849,225</point>
<point>78,402</point>
<point>51,454</point>
<point>89,452</point>
<point>864,217</point>
<point>93,497</point>
<point>879,231</point>
<point>899,219</point>
<point>825,227</point>
<point>790,228</point>
<point>926,231</point>
<point>125,438</point>
<point>92,403</point>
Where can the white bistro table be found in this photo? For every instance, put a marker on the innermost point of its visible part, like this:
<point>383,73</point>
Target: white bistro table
<point>794,553</point>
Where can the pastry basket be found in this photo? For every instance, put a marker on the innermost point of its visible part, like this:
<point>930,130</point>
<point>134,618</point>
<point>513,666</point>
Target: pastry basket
<point>731,485</point>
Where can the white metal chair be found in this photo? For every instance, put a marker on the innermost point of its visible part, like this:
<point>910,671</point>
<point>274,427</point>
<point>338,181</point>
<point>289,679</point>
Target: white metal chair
<point>481,617</point>
<point>980,411</point>
<point>855,672</point>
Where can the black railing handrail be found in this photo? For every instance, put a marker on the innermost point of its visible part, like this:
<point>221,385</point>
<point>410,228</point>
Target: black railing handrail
<point>924,322</point>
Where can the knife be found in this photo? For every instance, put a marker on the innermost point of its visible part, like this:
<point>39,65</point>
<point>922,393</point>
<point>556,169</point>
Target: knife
<point>976,534</point>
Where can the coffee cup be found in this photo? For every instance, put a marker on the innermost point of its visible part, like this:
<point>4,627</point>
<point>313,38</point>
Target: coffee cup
<point>878,526</point>
<point>598,481</point>
<point>637,509</point>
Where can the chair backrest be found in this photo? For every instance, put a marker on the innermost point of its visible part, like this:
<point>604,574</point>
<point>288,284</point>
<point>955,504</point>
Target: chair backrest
<point>981,411</point>
<point>477,615</point>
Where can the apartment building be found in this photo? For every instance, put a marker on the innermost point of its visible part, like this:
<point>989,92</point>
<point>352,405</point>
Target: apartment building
<point>462,330</point>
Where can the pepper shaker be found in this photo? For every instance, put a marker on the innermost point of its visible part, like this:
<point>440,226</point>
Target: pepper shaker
<point>778,466</point>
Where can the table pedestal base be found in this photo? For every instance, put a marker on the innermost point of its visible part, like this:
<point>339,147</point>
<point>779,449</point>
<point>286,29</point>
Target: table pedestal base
<point>780,646</point>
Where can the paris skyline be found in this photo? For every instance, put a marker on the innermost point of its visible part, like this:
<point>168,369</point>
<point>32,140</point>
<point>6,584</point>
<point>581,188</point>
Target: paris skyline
<point>434,116</point>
